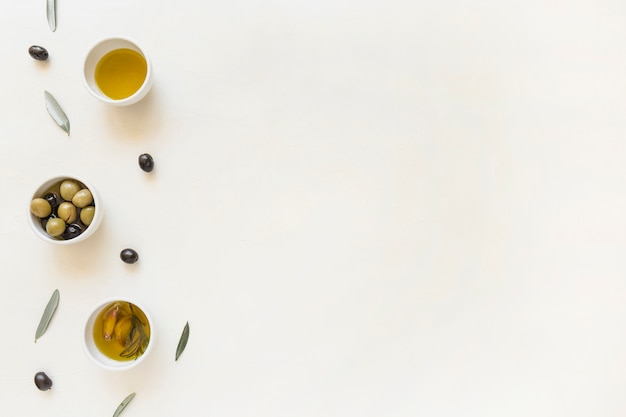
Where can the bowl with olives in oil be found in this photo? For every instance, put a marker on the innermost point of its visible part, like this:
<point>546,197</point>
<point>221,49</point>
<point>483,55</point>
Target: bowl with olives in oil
<point>118,334</point>
<point>65,209</point>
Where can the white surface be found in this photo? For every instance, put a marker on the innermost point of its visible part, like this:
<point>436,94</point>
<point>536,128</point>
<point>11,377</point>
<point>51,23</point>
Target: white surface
<point>362,208</point>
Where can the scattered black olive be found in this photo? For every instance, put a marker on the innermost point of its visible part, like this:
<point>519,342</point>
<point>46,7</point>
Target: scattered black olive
<point>38,52</point>
<point>129,256</point>
<point>43,381</point>
<point>72,230</point>
<point>146,162</point>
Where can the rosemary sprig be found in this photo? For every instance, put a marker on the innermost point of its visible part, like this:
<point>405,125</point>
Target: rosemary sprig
<point>137,340</point>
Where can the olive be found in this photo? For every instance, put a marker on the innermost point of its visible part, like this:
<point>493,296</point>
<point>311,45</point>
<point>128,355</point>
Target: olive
<point>40,208</point>
<point>69,188</point>
<point>83,198</point>
<point>67,212</point>
<point>55,227</point>
<point>43,381</point>
<point>129,256</point>
<point>52,199</point>
<point>72,230</point>
<point>38,52</point>
<point>44,222</point>
<point>146,162</point>
<point>86,215</point>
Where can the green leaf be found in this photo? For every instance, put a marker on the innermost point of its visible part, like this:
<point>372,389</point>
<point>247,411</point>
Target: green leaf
<point>51,14</point>
<point>182,343</point>
<point>56,112</point>
<point>123,404</point>
<point>47,314</point>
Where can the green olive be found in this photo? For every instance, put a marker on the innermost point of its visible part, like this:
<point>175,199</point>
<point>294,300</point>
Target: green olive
<point>83,198</point>
<point>40,208</point>
<point>67,212</point>
<point>69,188</point>
<point>86,215</point>
<point>55,227</point>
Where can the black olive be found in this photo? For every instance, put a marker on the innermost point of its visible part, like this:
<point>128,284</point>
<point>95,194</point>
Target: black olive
<point>53,200</point>
<point>43,382</point>
<point>129,256</point>
<point>72,230</point>
<point>146,162</point>
<point>38,52</point>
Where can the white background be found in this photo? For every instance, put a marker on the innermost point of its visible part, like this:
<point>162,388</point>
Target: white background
<point>363,208</point>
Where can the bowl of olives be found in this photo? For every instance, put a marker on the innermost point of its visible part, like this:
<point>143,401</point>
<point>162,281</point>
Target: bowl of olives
<point>118,334</point>
<point>65,209</point>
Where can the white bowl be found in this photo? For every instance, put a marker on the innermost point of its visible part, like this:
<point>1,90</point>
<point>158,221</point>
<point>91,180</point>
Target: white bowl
<point>92,350</point>
<point>35,222</point>
<point>91,61</point>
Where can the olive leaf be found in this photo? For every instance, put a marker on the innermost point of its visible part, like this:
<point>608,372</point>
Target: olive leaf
<point>123,404</point>
<point>182,343</point>
<point>56,112</point>
<point>47,314</point>
<point>51,14</point>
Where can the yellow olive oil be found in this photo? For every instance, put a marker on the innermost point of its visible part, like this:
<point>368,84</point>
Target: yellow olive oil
<point>120,73</point>
<point>121,331</point>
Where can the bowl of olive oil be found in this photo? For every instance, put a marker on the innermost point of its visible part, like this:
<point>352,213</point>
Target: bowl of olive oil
<point>118,334</point>
<point>117,71</point>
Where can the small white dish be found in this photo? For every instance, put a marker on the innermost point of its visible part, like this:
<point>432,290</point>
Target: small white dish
<point>92,350</point>
<point>96,53</point>
<point>36,223</point>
